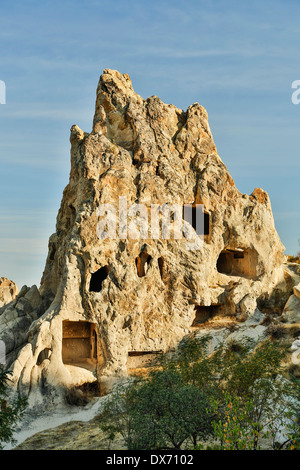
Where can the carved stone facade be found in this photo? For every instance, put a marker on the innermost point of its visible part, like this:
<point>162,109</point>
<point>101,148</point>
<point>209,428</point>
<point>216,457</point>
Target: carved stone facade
<point>109,303</point>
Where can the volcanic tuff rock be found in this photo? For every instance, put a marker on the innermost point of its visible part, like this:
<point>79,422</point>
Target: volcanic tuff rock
<point>8,291</point>
<point>108,303</point>
<point>16,318</point>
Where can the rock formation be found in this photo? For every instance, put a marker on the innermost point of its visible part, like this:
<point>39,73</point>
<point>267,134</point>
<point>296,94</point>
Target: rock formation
<point>16,317</point>
<point>106,304</point>
<point>8,291</point>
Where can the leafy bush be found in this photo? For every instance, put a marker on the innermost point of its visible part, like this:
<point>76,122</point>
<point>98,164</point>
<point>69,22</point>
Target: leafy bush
<point>11,411</point>
<point>161,412</point>
<point>236,397</point>
<point>259,401</point>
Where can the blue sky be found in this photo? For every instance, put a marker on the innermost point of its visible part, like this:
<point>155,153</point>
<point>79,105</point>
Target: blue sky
<point>236,58</point>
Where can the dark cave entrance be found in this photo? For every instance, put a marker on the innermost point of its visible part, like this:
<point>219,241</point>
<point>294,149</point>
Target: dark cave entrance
<point>97,279</point>
<point>206,313</point>
<point>238,262</point>
<point>198,218</point>
<point>142,263</point>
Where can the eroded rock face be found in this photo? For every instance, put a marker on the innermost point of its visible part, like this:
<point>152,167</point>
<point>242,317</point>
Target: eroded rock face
<point>16,318</point>
<point>8,291</point>
<point>137,296</point>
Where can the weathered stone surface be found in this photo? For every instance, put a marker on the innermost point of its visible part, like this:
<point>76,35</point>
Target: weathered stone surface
<point>75,435</point>
<point>8,291</point>
<point>297,291</point>
<point>291,312</point>
<point>15,320</point>
<point>274,301</point>
<point>33,297</point>
<point>151,292</point>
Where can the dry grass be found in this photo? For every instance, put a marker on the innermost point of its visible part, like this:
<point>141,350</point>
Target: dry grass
<point>276,331</point>
<point>216,323</point>
<point>293,259</point>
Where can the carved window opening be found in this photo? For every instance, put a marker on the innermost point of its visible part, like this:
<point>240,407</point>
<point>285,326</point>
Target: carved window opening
<point>140,359</point>
<point>79,344</point>
<point>206,313</point>
<point>198,218</point>
<point>206,223</point>
<point>97,279</point>
<point>238,262</point>
<point>142,263</point>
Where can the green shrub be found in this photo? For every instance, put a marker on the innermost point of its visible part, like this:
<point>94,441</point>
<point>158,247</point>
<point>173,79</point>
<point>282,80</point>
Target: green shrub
<point>11,411</point>
<point>161,412</point>
<point>236,397</point>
